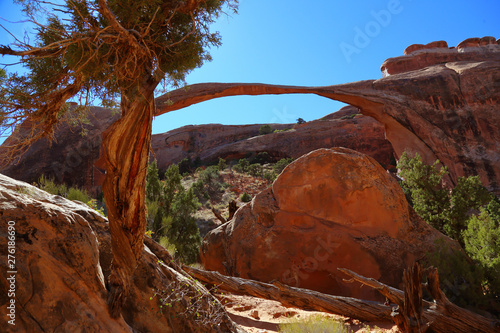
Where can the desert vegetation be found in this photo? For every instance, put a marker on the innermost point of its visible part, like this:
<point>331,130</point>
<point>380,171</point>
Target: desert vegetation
<point>467,213</point>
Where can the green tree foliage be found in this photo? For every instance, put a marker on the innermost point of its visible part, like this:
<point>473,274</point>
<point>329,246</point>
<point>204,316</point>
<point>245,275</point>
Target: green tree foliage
<point>301,121</point>
<point>222,165</point>
<point>482,242</point>
<point>99,50</point>
<point>281,165</point>
<point>265,129</point>
<point>183,232</point>
<point>242,165</point>
<point>170,212</point>
<point>245,197</point>
<point>208,184</point>
<point>454,212</point>
<point>445,210</point>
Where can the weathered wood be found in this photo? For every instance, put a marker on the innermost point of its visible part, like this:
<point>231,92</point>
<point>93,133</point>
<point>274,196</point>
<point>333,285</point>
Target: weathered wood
<point>412,313</point>
<point>126,148</point>
<point>438,316</point>
<point>296,297</point>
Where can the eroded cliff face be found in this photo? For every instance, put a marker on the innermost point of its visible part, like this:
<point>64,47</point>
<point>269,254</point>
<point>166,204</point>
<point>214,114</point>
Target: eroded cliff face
<point>442,103</point>
<point>62,252</point>
<point>71,158</point>
<point>74,156</point>
<point>345,128</point>
<point>332,208</point>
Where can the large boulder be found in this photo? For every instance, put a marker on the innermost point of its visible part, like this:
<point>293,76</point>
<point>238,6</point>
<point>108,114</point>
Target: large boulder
<point>55,256</point>
<point>332,208</point>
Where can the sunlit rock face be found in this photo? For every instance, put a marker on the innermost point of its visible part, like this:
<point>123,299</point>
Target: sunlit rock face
<point>332,208</point>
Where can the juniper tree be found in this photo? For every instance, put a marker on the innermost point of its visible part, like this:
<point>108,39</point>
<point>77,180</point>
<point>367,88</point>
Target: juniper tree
<point>108,51</point>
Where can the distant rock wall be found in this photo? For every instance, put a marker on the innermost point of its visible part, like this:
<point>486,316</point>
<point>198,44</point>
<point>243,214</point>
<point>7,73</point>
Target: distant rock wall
<point>209,142</point>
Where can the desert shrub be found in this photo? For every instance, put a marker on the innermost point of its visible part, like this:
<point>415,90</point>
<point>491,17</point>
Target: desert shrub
<point>281,164</point>
<point>482,243</point>
<point>48,185</point>
<point>445,210</point>
<point>170,210</point>
<point>208,183</point>
<point>270,176</point>
<point>185,166</point>
<point>255,170</point>
<point>265,129</point>
<point>261,158</point>
<point>300,121</point>
<point>242,165</point>
<point>313,324</point>
<point>222,165</point>
<point>77,194</point>
<point>183,232</point>
<point>466,282</point>
<point>245,197</point>
<point>459,278</point>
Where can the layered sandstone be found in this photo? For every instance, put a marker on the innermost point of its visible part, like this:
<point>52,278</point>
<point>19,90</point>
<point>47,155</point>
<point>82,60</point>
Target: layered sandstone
<point>345,128</point>
<point>73,157</point>
<point>442,104</point>
<point>332,208</point>
<point>61,260</point>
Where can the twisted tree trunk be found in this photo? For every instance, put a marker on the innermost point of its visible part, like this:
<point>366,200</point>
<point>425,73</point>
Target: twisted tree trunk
<point>126,148</point>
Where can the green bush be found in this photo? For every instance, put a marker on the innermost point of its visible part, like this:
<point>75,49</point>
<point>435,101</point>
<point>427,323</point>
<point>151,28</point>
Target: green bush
<point>245,197</point>
<point>170,210</point>
<point>77,194</point>
<point>242,165</point>
<point>467,282</point>
<point>49,185</point>
<point>265,129</point>
<point>281,165</point>
<point>482,243</point>
<point>222,165</point>
<point>255,170</point>
<point>313,324</point>
<point>445,210</point>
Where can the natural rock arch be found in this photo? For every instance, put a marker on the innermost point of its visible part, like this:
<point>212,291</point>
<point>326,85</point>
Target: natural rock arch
<point>444,111</point>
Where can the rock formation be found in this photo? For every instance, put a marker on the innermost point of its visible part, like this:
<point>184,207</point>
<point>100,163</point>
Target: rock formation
<point>73,157</point>
<point>344,128</point>
<point>332,208</point>
<point>439,102</point>
<point>61,258</point>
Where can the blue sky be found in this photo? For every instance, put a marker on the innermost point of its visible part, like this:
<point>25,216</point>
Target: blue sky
<point>315,42</point>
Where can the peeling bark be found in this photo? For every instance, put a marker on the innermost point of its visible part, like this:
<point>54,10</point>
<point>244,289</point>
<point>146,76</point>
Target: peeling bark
<point>126,148</point>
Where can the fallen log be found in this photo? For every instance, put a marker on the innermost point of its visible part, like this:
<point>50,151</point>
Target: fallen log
<point>411,313</point>
<point>296,297</point>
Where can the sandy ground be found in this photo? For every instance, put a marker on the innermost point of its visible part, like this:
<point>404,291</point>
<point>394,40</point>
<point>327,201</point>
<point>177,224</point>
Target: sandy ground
<point>257,315</point>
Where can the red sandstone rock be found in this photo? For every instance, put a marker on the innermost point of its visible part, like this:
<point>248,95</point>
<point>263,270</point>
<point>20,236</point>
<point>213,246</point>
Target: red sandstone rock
<point>70,158</point>
<point>62,258</point>
<point>73,158</point>
<point>441,103</point>
<point>437,53</point>
<point>329,209</point>
<point>416,47</point>
<point>209,142</point>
